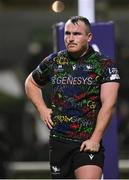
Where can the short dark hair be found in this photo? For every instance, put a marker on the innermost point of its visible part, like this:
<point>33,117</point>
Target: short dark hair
<point>75,19</point>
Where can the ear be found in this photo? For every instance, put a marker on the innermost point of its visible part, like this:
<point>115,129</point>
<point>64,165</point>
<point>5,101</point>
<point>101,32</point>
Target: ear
<point>89,37</point>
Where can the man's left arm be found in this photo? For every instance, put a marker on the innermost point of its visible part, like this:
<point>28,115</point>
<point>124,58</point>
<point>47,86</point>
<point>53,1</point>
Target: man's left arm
<point>108,95</point>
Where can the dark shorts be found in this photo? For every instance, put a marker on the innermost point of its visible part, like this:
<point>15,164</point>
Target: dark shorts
<point>65,157</point>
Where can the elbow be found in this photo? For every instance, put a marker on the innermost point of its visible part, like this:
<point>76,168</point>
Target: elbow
<point>27,84</point>
<point>110,109</point>
<point>114,108</point>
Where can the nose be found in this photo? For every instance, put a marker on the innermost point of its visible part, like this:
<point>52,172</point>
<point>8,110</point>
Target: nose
<point>71,37</point>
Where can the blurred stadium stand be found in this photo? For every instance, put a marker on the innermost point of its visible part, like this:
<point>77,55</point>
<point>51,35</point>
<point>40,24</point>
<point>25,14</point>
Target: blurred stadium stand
<point>26,37</point>
<point>41,169</point>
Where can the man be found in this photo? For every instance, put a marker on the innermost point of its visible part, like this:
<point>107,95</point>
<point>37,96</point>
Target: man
<point>84,93</point>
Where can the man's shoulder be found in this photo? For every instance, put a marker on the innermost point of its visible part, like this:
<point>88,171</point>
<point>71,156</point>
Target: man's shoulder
<point>56,54</point>
<point>107,60</point>
<point>103,58</point>
<point>62,53</point>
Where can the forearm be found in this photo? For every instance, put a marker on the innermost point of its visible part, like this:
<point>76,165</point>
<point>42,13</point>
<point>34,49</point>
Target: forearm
<point>108,95</point>
<point>34,94</point>
<point>103,119</point>
<point>93,144</point>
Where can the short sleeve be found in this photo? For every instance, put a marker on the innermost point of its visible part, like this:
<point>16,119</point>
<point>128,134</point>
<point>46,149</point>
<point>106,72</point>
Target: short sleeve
<point>110,72</point>
<point>42,74</point>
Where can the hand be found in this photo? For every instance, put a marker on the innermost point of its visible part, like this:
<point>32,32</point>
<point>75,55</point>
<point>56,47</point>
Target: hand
<point>46,117</point>
<point>89,145</point>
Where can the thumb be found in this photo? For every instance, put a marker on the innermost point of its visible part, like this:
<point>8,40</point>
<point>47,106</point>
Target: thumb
<point>82,146</point>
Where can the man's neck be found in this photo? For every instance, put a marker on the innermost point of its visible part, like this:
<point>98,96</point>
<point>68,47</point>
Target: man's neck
<point>79,54</point>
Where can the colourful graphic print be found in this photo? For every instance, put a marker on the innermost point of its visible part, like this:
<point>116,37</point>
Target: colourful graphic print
<point>76,90</point>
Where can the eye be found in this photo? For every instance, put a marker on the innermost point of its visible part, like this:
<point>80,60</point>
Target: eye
<point>67,33</point>
<point>76,33</point>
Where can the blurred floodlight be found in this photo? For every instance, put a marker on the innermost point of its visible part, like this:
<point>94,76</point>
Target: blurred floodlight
<point>58,6</point>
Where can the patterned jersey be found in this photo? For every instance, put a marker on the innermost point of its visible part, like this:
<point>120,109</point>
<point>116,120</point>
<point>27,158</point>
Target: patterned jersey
<point>75,93</point>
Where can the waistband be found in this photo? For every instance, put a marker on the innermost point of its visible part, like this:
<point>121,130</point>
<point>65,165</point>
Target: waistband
<point>63,138</point>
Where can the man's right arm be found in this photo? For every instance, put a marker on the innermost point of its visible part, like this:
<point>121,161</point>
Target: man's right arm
<point>34,94</point>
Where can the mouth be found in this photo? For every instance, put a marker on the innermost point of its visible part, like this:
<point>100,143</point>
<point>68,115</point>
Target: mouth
<point>72,45</point>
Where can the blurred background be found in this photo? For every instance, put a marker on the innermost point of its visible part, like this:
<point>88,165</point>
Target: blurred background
<point>26,36</point>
